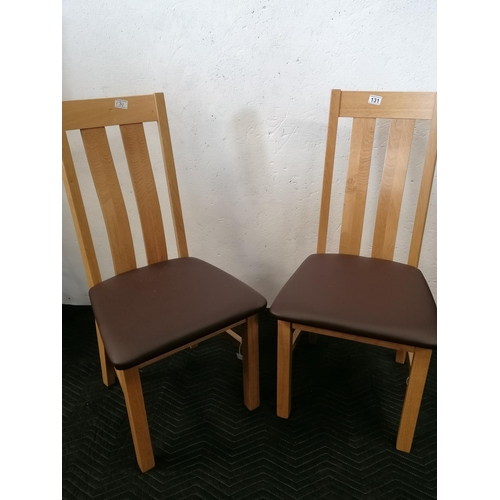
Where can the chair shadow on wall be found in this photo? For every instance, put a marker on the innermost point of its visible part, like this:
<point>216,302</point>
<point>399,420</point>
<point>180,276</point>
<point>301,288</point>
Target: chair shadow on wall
<point>248,203</point>
<point>266,230</point>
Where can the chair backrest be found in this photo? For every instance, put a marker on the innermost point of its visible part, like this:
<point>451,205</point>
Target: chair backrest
<point>92,117</point>
<point>402,108</point>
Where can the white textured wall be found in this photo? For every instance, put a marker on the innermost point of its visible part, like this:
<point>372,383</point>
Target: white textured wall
<point>247,86</point>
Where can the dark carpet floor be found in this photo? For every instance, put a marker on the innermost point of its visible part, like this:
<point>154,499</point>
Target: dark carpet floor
<point>339,442</point>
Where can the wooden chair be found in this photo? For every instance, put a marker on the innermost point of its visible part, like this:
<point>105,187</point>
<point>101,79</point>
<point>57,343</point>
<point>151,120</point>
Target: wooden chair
<point>373,300</point>
<point>145,314</point>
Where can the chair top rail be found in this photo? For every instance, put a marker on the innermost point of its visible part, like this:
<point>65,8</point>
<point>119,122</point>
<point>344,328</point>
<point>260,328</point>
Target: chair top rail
<point>365,104</point>
<point>103,112</point>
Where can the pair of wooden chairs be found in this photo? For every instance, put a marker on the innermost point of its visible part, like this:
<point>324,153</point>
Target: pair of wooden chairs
<point>146,313</point>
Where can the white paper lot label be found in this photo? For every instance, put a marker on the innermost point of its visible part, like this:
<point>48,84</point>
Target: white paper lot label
<point>375,99</point>
<point>121,103</point>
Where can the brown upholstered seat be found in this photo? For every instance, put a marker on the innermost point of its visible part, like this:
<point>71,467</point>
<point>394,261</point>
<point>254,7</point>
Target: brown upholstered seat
<point>368,299</point>
<point>155,309</point>
<point>374,298</point>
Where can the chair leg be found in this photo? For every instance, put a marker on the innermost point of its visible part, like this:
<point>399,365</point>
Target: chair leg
<point>250,351</point>
<point>400,357</point>
<point>107,369</point>
<point>413,398</point>
<point>130,381</point>
<point>284,388</point>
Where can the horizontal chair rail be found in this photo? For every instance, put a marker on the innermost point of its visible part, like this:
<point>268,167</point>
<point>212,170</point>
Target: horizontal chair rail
<point>355,338</point>
<point>194,343</point>
<point>93,113</point>
<point>415,105</point>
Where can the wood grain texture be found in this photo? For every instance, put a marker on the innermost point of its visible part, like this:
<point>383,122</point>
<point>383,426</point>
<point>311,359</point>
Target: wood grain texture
<point>363,130</point>
<point>107,369</point>
<point>110,197</point>
<point>173,189</point>
<point>424,193</point>
<point>79,215</point>
<point>284,377</point>
<point>146,195</point>
<point>250,351</point>
<point>355,338</point>
<point>130,381</point>
<point>410,105</point>
<point>92,113</point>
<point>413,398</point>
<point>391,188</point>
<point>331,141</point>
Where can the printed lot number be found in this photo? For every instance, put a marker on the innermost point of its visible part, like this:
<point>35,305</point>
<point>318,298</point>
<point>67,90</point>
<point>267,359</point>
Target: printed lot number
<point>375,99</point>
<point>121,103</point>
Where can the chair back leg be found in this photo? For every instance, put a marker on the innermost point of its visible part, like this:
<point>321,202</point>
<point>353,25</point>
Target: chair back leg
<point>250,351</point>
<point>413,398</point>
<point>107,369</point>
<point>285,349</point>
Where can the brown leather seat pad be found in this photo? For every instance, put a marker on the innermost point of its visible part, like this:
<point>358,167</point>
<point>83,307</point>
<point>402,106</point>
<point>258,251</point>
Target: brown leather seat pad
<point>363,296</point>
<point>151,310</point>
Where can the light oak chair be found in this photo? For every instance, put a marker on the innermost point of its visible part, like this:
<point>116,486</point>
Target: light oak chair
<point>145,314</point>
<point>373,300</point>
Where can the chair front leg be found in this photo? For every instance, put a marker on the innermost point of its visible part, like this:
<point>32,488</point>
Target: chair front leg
<point>250,351</point>
<point>284,376</point>
<point>130,381</point>
<point>413,398</point>
<point>107,369</point>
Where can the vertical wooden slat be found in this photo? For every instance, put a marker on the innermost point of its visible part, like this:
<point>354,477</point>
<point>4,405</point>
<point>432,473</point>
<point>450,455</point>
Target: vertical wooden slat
<point>141,173</point>
<point>110,197</point>
<point>331,140</point>
<point>173,189</point>
<point>363,130</point>
<point>424,194</point>
<point>391,188</point>
<point>80,221</point>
